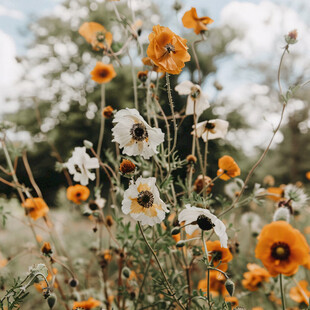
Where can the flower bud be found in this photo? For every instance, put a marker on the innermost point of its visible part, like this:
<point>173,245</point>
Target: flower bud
<point>291,38</point>
<point>175,230</point>
<point>282,214</point>
<point>73,282</point>
<point>51,300</point>
<point>87,144</point>
<point>107,112</point>
<point>180,244</point>
<point>126,272</point>
<point>230,287</point>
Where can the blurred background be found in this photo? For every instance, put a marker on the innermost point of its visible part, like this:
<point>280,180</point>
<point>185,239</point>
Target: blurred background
<point>47,94</point>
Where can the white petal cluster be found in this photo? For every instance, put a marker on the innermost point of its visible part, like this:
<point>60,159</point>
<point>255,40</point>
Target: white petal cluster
<point>190,214</point>
<point>149,212</point>
<point>79,165</point>
<point>195,94</point>
<point>212,129</point>
<point>296,195</point>
<point>134,135</point>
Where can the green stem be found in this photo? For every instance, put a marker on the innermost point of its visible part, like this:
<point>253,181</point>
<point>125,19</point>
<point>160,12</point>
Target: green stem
<point>282,292</point>
<point>169,287</point>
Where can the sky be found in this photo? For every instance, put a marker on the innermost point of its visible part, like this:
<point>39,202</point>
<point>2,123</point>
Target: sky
<point>260,26</point>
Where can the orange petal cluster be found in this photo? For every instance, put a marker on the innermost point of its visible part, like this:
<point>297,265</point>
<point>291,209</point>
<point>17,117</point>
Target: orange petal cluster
<point>167,50</point>
<point>103,73</point>
<point>227,168</point>
<point>77,193</point>
<point>35,207</point>
<point>87,304</point>
<point>217,284</point>
<point>96,35</point>
<point>300,293</point>
<point>255,277</point>
<point>220,254</point>
<point>282,249</point>
<point>191,20</point>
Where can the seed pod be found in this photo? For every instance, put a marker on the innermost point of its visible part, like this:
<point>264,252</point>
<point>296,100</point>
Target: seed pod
<point>175,230</point>
<point>51,300</point>
<point>126,272</point>
<point>230,287</point>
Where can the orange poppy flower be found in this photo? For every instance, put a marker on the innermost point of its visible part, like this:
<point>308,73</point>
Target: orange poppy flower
<point>35,207</point>
<point>308,175</point>
<point>77,193</point>
<point>300,293</point>
<point>276,193</point>
<point>167,50</point>
<point>257,308</point>
<point>46,248</point>
<point>220,254</point>
<point>228,168</point>
<point>87,304</point>
<point>217,284</point>
<point>103,73</point>
<point>255,277</point>
<point>281,248</point>
<point>191,20</point>
<point>96,35</point>
<point>233,300</point>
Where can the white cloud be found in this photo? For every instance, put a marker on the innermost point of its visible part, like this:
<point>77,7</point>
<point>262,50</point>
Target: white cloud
<point>4,11</point>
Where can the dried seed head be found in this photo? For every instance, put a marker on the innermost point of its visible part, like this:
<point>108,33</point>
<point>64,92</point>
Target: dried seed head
<point>127,166</point>
<point>107,112</point>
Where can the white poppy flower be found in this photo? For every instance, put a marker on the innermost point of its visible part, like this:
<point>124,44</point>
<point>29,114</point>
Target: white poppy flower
<point>135,135</point>
<point>198,218</point>
<point>143,203</point>
<point>79,165</point>
<point>194,93</point>
<point>296,195</point>
<point>212,129</point>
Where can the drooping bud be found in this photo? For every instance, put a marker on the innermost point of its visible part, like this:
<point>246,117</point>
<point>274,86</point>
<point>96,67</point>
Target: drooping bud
<point>126,272</point>
<point>51,301</point>
<point>175,230</point>
<point>291,38</point>
<point>88,144</point>
<point>73,282</point>
<point>230,287</point>
<point>180,244</point>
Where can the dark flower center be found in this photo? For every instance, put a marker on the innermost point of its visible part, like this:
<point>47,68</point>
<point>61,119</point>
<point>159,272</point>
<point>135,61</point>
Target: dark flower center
<point>78,194</point>
<point>217,255</point>
<point>195,92</point>
<point>77,168</point>
<point>209,126</point>
<point>280,250</point>
<point>145,199</point>
<point>170,48</point>
<point>104,73</point>
<point>204,222</point>
<point>138,132</point>
<point>100,36</point>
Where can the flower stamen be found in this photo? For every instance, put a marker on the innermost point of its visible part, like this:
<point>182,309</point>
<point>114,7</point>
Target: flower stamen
<point>204,222</point>
<point>145,199</point>
<point>280,251</point>
<point>139,132</point>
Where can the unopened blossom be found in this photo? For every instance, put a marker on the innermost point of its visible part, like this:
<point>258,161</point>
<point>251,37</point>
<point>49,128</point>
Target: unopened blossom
<point>197,100</point>
<point>210,130</point>
<point>198,218</point>
<point>142,201</point>
<point>79,165</point>
<point>135,135</point>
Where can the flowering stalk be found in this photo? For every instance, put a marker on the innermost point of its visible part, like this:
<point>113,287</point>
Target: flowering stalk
<point>169,287</point>
<point>196,57</point>
<point>282,292</point>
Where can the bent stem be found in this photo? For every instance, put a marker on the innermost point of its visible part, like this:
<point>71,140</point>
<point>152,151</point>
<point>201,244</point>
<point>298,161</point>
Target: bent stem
<point>282,292</point>
<point>169,287</point>
<point>196,57</point>
<point>208,265</point>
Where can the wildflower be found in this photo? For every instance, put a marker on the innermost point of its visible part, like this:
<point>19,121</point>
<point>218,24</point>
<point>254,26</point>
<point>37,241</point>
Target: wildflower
<point>46,249</point>
<point>201,183</point>
<point>296,196</point>
<point>191,20</point>
<point>77,193</point>
<point>167,50</point>
<point>107,112</point>
<point>233,301</point>
<point>308,175</point>
<point>196,101</point>
<point>87,304</point>
<point>217,284</point>
<point>191,159</point>
<point>227,168</point>
<point>103,73</point>
<point>196,218</point>
<point>232,189</point>
<point>251,221</point>
<point>35,207</point>
<point>142,76</point>
<point>291,38</point>
<point>79,165</point>
<point>281,248</point>
<point>300,293</point>
<point>127,166</point>
<point>275,193</point>
<point>143,203</point>
<point>254,278</point>
<point>96,35</point>
<point>210,130</point>
<point>282,214</point>
<point>221,256</point>
<point>135,135</point>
